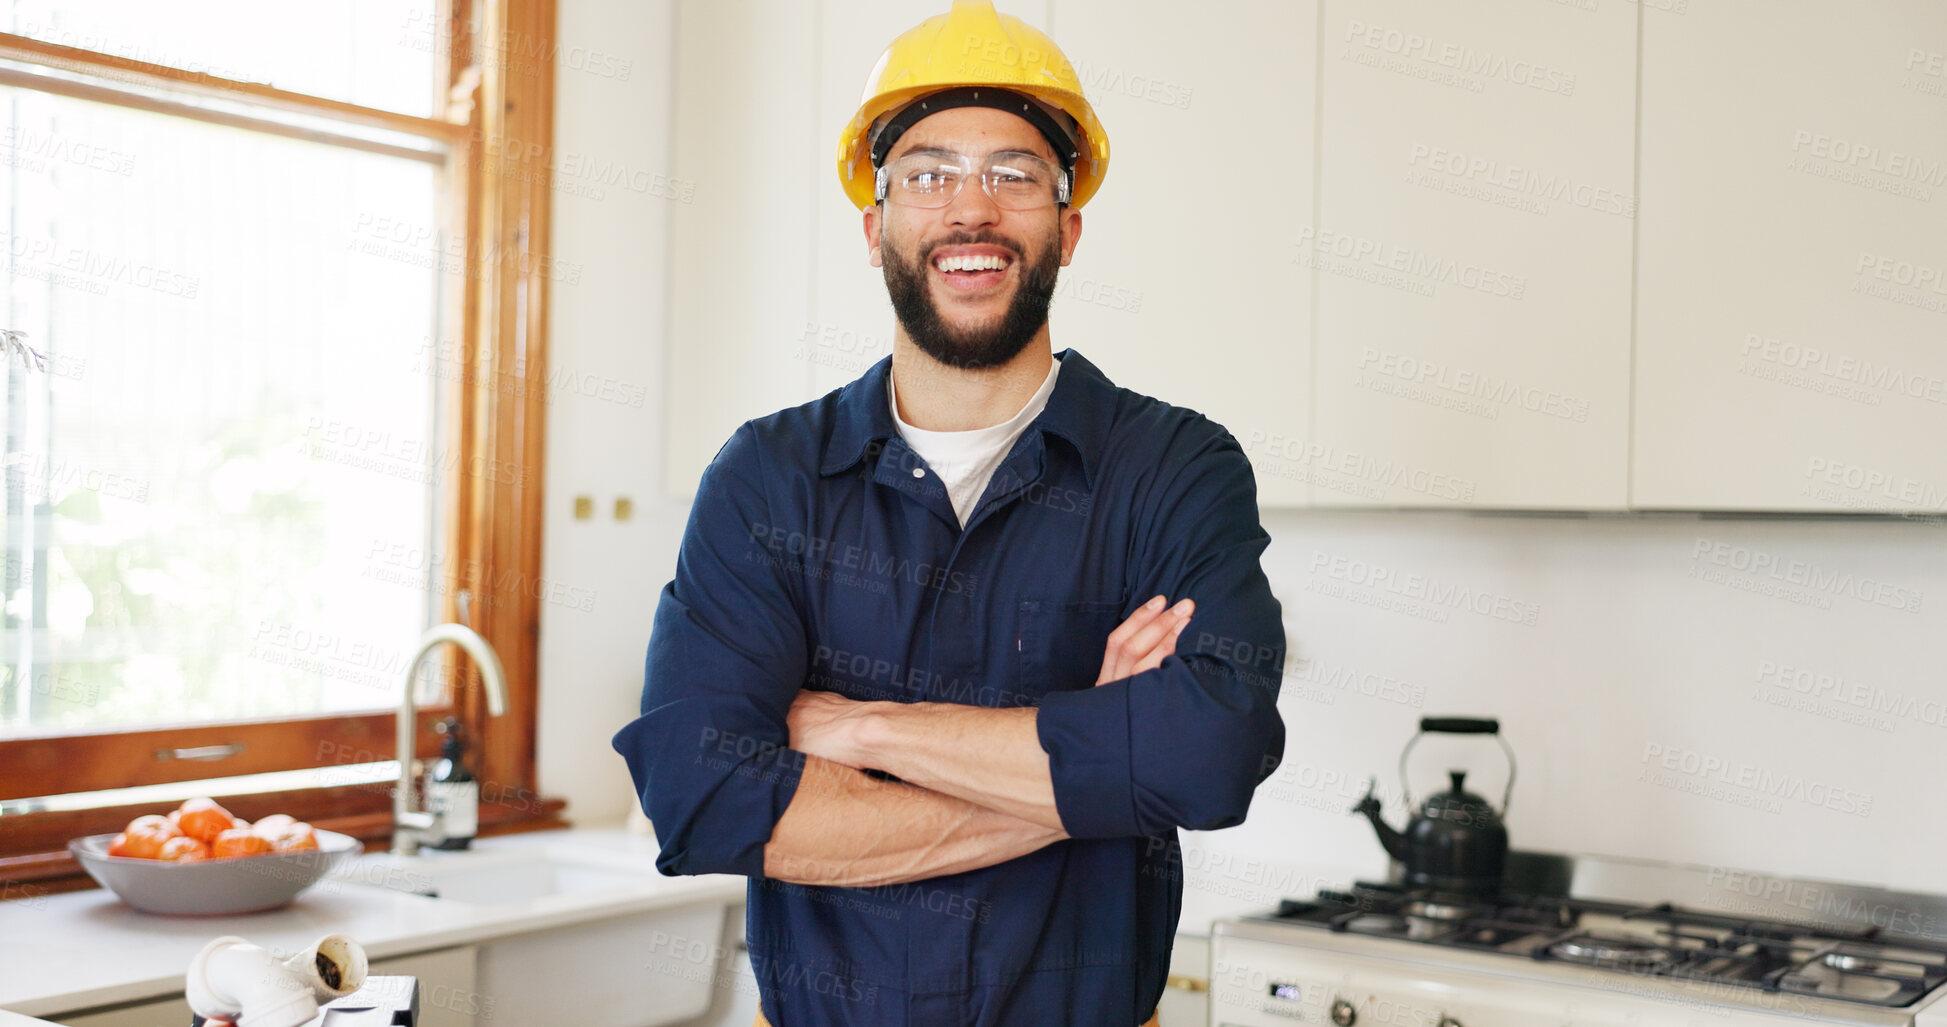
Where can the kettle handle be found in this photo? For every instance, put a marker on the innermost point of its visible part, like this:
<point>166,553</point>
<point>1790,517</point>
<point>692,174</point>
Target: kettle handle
<point>1458,726</point>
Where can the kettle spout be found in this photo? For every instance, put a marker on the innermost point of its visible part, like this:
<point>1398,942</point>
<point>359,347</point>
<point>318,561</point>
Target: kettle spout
<point>1394,842</point>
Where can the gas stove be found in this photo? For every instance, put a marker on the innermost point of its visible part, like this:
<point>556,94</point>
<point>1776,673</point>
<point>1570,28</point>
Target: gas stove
<point>1380,954</point>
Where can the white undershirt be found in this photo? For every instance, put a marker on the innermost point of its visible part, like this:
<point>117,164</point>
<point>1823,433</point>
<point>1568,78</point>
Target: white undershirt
<point>966,460</point>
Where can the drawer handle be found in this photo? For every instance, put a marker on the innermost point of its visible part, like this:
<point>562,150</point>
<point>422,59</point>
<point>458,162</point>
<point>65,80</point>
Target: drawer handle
<point>203,753</point>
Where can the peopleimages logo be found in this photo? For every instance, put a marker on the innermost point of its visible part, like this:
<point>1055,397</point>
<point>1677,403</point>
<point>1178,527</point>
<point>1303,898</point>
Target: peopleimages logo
<point>861,676</point>
<point>1504,392</point>
<point>1742,783</point>
<point>1845,905</point>
<point>1324,460</point>
<point>1844,375</point>
<point>1875,483</point>
<point>1424,588</point>
<point>821,556</point>
<point>1710,555</point>
<point>1457,58</point>
<point>22,145</point>
<point>92,270</point>
<point>1855,155</point>
<point>1868,703</point>
<point>1097,79</point>
<point>1344,678</point>
<point>1522,181</point>
<point>1411,263</point>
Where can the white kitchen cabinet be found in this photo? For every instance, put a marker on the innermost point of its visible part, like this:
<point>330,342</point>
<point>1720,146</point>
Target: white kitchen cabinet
<point>449,987</point>
<point>1395,247</point>
<point>1184,285</point>
<point>1792,271</point>
<point>640,971</point>
<point>735,1003</point>
<point>740,249</point>
<point>1472,254</point>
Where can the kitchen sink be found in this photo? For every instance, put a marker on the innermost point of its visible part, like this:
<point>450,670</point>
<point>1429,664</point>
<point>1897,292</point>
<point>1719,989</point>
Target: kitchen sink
<point>583,922</point>
<point>500,878</point>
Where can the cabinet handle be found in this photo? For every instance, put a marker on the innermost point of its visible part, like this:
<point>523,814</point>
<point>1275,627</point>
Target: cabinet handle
<point>201,752</point>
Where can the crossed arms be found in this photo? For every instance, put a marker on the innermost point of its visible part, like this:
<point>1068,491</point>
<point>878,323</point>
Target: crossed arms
<point>975,787</point>
<point>744,773</point>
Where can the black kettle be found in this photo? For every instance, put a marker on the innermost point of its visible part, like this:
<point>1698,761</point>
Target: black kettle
<point>1457,842</point>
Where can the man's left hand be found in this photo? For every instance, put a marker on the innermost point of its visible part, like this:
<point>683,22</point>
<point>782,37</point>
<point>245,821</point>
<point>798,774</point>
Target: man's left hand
<point>825,724</point>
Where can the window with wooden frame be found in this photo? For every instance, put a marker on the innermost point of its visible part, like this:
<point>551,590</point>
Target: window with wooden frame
<point>274,399</point>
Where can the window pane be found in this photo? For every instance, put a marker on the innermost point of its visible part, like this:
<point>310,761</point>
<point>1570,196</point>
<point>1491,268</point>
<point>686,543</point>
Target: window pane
<point>376,53</point>
<point>219,495</point>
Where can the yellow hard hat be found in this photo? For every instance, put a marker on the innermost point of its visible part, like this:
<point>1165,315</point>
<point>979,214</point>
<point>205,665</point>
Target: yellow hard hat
<point>973,45</point>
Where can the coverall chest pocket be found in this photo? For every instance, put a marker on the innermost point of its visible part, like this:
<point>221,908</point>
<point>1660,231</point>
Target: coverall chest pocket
<point>1058,645</point>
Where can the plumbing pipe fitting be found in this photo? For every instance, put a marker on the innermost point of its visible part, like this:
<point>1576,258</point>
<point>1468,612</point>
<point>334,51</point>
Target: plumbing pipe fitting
<point>236,981</point>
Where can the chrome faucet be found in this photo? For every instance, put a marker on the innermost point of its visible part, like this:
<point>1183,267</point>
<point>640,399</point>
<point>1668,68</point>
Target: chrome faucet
<point>411,826</point>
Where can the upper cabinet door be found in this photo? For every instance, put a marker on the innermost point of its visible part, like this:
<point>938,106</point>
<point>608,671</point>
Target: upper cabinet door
<point>1471,254</point>
<point>1183,285</point>
<point>738,250</point>
<point>1792,282</point>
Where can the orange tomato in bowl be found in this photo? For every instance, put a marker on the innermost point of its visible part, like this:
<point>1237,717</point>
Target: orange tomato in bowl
<point>183,849</point>
<point>240,842</point>
<point>299,837</point>
<point>274,825</point>
<point>201,829</point>
<point>145,837</point>
<point>155,823</point>
<point>204,820</point>
<point>287,833</point>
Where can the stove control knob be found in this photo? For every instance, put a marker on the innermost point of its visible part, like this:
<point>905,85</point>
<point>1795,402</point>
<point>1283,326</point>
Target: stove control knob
<point>1343,1014</point>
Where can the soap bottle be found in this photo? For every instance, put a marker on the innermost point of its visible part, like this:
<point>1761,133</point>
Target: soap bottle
<point>452,793</point>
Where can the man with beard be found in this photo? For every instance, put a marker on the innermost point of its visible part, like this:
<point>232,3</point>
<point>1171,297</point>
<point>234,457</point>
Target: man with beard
<point>923,673</point>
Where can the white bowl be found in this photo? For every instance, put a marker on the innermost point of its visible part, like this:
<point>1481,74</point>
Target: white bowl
<point>239,884</point>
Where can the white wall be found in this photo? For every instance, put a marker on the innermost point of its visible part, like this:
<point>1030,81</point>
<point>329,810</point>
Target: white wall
<point>1642,642</point>
<point>1642,648</point>
<point>611,216</point>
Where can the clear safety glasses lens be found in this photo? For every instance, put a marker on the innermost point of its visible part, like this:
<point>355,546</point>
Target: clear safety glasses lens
<point>1016,181</point>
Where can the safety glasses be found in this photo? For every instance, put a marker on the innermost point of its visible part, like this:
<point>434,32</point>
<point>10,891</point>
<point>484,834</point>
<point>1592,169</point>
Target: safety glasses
<point>932,178</point>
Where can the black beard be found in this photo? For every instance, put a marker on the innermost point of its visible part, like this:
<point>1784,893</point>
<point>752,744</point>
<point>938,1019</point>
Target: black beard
<point>912,303</point>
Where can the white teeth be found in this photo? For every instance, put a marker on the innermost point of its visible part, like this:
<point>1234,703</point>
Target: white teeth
<point>987,263</point>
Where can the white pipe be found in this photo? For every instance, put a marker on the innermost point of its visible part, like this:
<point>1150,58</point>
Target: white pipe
<point>234,980</point>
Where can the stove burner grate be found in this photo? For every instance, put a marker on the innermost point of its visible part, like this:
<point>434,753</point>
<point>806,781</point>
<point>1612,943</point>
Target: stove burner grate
<point>1431,909</point>
<point>1855,965</point>
<point>1625,953</point>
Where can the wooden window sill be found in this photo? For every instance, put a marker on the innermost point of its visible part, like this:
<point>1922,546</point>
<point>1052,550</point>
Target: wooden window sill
<point>51,872</point>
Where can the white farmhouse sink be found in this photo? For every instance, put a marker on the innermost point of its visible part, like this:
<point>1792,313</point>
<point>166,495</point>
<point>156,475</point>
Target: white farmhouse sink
<point>647,958</point>
<point>499,878</point>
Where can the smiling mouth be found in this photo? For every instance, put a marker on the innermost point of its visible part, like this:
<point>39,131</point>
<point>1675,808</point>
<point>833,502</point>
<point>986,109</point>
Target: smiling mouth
<point>972,272</point>
<point>982,263</point>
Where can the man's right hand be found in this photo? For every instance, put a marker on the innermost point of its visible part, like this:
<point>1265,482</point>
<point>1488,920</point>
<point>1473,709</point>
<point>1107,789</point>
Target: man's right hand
<point>1140,643</point>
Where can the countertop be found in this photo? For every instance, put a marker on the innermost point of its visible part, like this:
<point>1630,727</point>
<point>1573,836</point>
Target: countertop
<point>60,953</point>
